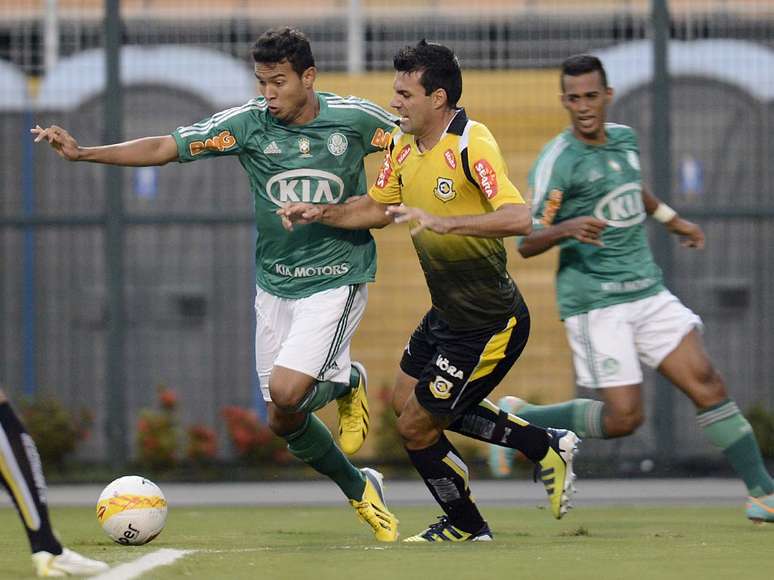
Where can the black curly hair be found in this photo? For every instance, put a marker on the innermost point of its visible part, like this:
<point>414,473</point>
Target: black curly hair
<point>439,67</point>
<point>581,64</point>
<point>284,44</point>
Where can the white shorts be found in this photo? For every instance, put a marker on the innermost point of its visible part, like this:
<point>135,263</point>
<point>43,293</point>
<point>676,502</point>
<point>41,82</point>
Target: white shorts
<point>309,335</point>
<point>609,343</point>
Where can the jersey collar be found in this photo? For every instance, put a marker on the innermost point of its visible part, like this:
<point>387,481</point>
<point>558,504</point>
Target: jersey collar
<point>455,127</point>
<point>458,122</point>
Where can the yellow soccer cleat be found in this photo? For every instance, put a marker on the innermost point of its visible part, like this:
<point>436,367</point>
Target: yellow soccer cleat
<point>68,563</point>
<point>372,509</point>
<point>444,531</point>
<point>353,413</point>
<point>555,470</point>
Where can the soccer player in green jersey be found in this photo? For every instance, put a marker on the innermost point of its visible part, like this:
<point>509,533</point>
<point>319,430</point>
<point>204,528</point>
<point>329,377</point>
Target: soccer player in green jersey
<point>588,199</point>
<point>22,475</point>
<point>295,144</point>
<point>444,173</point>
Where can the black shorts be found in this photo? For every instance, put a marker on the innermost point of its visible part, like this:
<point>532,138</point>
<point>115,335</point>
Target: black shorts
<point>457,369</point>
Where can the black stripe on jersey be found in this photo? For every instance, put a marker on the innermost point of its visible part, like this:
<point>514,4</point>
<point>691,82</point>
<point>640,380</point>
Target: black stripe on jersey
<point>466,167</point>
<point>457,126</point>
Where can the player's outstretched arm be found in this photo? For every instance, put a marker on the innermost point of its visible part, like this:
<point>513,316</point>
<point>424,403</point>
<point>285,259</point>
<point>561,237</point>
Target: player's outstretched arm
<point>361,214</point>
<point>690,233</point>
<point>139,152</point>
<point>586,229</point>
<point>508,220</point>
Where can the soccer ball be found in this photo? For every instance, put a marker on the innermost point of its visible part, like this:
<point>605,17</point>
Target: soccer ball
<point>132,510</point>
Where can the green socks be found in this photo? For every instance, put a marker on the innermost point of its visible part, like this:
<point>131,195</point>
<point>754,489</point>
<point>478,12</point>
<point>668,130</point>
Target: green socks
<point>583,416</point>
<point>321,393</point>
<point>728,429</point>
<point>313,444</point>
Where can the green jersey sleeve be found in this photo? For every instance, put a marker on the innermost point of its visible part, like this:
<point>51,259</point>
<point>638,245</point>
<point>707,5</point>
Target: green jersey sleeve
<point>224,133</point>
<point>549,182</point>
<point>623,137</point>
<point>371,122</point>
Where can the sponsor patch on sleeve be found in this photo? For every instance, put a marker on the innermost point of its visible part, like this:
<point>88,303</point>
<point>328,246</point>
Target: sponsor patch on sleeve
<point>223,141</point>
<point>487,179</point>
<point>403,154</point>
<point>384,173</point>
<point>381,138</point>
<point>553,203</point>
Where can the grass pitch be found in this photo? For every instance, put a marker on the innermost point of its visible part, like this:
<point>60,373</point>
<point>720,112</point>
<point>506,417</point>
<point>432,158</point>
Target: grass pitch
<point>329,543</point>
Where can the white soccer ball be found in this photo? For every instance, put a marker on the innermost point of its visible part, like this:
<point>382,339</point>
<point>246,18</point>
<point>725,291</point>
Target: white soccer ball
<point>132,510</point>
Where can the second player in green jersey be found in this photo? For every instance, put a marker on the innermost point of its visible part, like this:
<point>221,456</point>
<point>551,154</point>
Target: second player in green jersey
<point>572,178</point>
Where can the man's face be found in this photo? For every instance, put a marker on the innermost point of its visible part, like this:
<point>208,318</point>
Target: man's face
<point>411,102</point>
<point>586,99</point>
<point>285,91</point>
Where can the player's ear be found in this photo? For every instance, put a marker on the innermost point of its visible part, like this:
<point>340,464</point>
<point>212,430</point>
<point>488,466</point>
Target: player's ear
<point>308,77</point>
<point>609,94</point>
<point>439,98</point>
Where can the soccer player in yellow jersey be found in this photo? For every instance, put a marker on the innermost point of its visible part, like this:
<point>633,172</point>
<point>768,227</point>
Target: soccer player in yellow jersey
<point>444,174</point>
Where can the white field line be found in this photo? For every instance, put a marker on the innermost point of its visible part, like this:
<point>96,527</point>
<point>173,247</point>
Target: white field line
<point>133,569</point>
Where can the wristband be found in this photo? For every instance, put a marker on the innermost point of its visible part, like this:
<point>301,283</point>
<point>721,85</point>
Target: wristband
<point>664,213</point>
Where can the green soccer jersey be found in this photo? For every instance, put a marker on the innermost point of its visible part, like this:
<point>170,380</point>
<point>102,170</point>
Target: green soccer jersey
<point>571,179</point>
<point>319,162</point>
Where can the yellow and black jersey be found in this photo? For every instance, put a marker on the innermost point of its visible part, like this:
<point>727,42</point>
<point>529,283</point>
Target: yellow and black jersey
<point>464,174</point>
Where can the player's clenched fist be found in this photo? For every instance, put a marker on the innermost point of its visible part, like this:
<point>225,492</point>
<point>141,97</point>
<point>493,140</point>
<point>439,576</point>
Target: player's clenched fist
<point>59,139</point>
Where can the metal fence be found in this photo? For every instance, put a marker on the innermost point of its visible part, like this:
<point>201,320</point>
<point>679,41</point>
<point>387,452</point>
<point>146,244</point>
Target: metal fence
<point>188,233</point>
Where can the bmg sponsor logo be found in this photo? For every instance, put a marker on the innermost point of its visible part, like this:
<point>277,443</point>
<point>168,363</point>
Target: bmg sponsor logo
<point>223,141</point>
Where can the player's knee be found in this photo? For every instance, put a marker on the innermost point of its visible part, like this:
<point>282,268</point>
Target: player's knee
<point>407,429</point>
<point>708,387</point>
<point>279,421</point>
<point>622,423</point>
<point>415,434</point>
<point>286,399</point>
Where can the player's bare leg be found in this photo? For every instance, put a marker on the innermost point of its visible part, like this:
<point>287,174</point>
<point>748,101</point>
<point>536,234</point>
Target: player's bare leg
<point>404,387</point>
<point>691,370</point>
<point>623,410</point>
